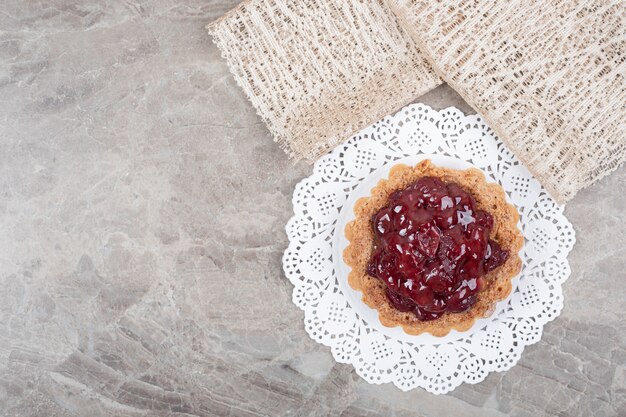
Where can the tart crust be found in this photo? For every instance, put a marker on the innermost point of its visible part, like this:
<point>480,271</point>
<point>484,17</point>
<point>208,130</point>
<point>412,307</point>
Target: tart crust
<point>496,284</point>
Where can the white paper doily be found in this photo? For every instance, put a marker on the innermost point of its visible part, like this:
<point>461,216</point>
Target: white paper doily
<point>335,314</point>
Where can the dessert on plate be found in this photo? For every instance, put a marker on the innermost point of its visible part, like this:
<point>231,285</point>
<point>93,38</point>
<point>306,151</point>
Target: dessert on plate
<point>433,249</point>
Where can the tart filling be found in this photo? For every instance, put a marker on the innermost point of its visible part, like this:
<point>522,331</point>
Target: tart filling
<point>432,248</point>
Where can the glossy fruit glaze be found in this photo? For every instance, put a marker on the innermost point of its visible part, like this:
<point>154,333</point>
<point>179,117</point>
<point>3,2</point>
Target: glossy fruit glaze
<point>432,248</point>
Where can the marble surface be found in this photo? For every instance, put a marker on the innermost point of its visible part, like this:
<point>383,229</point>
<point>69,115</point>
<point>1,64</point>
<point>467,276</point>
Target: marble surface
<point>142,206</point>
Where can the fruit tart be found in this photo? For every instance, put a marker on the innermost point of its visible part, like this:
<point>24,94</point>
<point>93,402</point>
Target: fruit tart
<point>433,249</point>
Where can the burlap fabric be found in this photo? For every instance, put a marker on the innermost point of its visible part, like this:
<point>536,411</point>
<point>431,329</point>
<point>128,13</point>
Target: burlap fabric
<point>319,70</point>
<point>548,75</point>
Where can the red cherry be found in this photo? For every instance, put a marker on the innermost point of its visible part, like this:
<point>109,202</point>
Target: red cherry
<point>399,302</point>
<point>421,294</point>
<point>408,266</point>
<point>420,216</point>
<point>393,281</point>
<point>438,305</point>
<point>494,256</point>
<point>453,248</point>
<point>477,240</point>
<point>437,278</point>
<point>472,268</point>
<point>446,218</point>
<point>411,198</point>
<point>462,199</point>
<point>424,315</point>
<point>399,216</point>
<point>464,297</point>
<point>428,237</point>
<point>398,245</point>
<point>382,222</point>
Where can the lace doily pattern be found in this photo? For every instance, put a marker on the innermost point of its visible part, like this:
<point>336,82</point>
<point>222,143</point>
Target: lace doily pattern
<point>337,318</point>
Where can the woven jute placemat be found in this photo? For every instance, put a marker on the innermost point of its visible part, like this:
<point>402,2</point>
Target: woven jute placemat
<point>319,70</point>
<point>548,75</point>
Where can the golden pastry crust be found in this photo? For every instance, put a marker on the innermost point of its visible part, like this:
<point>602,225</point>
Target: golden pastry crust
<point>497,283</point>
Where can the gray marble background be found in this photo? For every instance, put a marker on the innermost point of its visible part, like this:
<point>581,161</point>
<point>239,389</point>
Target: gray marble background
<point>142,206</point>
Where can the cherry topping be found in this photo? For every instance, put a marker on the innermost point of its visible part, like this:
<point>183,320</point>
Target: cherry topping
<point>432,248</point>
